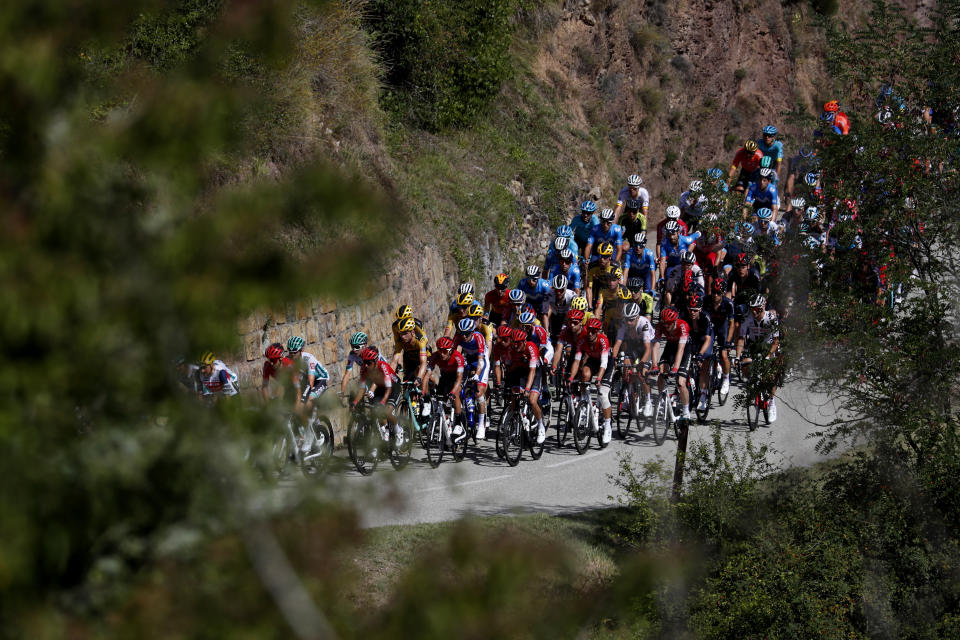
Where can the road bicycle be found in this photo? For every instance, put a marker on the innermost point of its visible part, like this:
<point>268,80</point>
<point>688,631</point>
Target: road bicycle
<point>410,408</point>
<point>668,411</point>
<point>630,400</point>
<point>306,442</point>
<point>585,422</point>
<point>518,429</point>
<point>439,429</point>
<point>368,437</point>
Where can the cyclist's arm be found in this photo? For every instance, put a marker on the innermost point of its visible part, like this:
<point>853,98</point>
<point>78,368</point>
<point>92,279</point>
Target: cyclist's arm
<point>455,391</point>
<point>423,365</point>
<point>681,347</point>
<point>616,348</point>
<point>604,358</point>
<point>707,341</point>
<point>647,348</point>
<point>576,366</point>
<point>556,355</point>
<point>586,251</point>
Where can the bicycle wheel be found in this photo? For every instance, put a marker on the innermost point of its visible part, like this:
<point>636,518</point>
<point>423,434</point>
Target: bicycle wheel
<point>401,444</point>
<point>701,415</point>
<point>581,428</point>
<point>753,414</point>
<point>536,449</point>
<point>513,439</point>
<point>564,418</point>
<point>360,444</point>
<point>458,446</point>
<point>623,411</point>
<point>434,437</point>
<point>718,383</point>
<point>766,411</point>
<point>316,458</point>
<point>282,454</point>
<point>502,427</point>
<point>660,422</point>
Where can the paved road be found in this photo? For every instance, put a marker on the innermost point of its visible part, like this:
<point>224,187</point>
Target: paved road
<point>562,481</point>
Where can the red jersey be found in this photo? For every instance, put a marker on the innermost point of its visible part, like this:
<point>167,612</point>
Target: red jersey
<point>842,122</point>
<point>566,335</point>
<point>454,364</point>
<point>527,355</point>
<point>599,348</point>
<point>746,160</point>
<point>379,373</point>
<point>270,371</point>
<point>680,333</point>
<point>497,301</point>
<point>663,223</point>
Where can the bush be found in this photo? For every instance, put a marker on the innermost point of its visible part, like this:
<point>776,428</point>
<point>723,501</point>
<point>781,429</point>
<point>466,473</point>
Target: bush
<point>740,73</point>
<point>651,99</point>
<point>445,60</point>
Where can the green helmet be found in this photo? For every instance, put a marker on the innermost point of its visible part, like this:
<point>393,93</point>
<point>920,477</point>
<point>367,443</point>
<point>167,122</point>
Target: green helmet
<point>295,343</point>
<point>357,339</point>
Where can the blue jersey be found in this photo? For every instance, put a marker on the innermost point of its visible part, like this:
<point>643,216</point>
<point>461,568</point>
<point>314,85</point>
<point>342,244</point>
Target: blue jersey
<point>597,235</point>
<point>775,150</point>
<point>765,197</point>
<point>641,261</point>
<point>535,291</point>
<point>581,229</point>
<point>552,254</point>
<point>574,279</point>
<point>672,252</point>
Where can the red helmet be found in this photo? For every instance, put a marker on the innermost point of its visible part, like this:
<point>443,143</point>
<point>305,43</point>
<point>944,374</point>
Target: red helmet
<point>831,105</point>
<point>444,343</point>
<point>594,324</point>
<point>274,351</point>
<point>669,315</point>
<point>519,335</point>
<point>370,354</point>
<point>575,314</point>
<point>743,260</point>
<point>503,331</point>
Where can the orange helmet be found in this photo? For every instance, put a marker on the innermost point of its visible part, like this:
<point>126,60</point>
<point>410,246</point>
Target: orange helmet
<point>831,105</point>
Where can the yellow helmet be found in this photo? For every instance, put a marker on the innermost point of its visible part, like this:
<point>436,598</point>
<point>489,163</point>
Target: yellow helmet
<point>464,299</point>
<point>605,249</point>
<point>407,324</point>
<point>616,273</point>
<point>404,311</point>
<point>475,310</point>
<point>624,293</point>
<point>579,303</point>
<point>207,358</point>
<point>750,145</point>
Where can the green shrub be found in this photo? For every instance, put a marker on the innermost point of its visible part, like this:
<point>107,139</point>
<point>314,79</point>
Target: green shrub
<point>167,38</point>
<point>740,73</point>
<point>445,60</point>
<point>730,141</point>
<point>651,99</point>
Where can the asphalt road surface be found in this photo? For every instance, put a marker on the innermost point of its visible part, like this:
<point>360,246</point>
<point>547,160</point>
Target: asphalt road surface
<point>563,481</point>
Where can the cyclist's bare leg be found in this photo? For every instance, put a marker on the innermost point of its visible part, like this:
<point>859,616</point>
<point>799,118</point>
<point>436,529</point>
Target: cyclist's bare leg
<point>534,400</point>
<point>683,390</point>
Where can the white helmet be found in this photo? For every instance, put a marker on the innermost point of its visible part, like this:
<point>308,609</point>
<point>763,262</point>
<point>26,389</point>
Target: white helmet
<point>696,186</point>
<point>673,212</point>
<point>634,180</point>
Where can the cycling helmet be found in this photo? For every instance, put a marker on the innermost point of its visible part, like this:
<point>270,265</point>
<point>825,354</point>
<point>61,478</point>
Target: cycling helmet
<point>606,215</point>
<point>566,254</point>
<point>884,115</point>
<point>527,317</point>
<point>575,314</point>
<point>475,310</point>
<point>615,273</point>
<point>766,161</point>
<point>519,335</point>
<point>719,286</point>
<point>605,249</point>
<point>560,282</point>
<point>404,311</point>
<point>207,359</point>
<point>588,206</point>
<point>517,296</point>
<point>565,231</point>
<point>503,331</point>
<point>805,153</point>
<point>766,172</point>
<point>669,315</point>
<point>444,342</point>
<point>634,180</point>
<point>633,204</point>
<point>811,243</point>
<point>295,343</point>
<point>673,212</point>
<point>758,300</point>
<point>533,271</point>
<point>464,299</point>
<point>640,239</point>
<point>743,260</point>
<point>467,325</point>
<point>764,213</point>
<point>746,229</point>
<point>500,281</point>
<point>408,324</point>
<point>695,301</point>
<point>371,354</point>
<point>579,303</point>
<point>274,351</point>
<point>623,293</point>
<point>769,130</point>
<point>631,311</point>
<point>811,179</point>
<point>358,339</point>
<point>635,284</point>
<point>750,145</point>
<point>560,243</point>
<point>831,106</point>
<point>715,173</point>
<point>797,203</point>
<point>811,214</point>
<point>696,186</point>
<point>828,116</point>
<point>672,227</point>
<point>594,324</point>
<point>687,257</point>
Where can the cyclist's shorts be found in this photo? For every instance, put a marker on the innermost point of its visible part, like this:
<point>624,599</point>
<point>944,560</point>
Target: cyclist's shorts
<point>633,350</point>
<point>720,335</point>
<point>556,325</point>
<point>670,353</point>
<point>411,364</point>
<point>518,378</point>
<point>494,319</point>
<point>743,180</point>
<point>393,399</point>
<point>318,388</point>
<point>445,385</point>
<point>594,364</point>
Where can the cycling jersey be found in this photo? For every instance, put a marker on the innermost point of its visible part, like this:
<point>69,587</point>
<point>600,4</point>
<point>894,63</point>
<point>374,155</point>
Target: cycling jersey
<point>720,312</point>
<point>315,369</point>
<point>222,380</point>
<point>538,336</point>
<point>475,351</point>
<point>676,277</point>
<point>417,345</point>
<point>614,236</point>
<point>569,337</point>
<point>707,249</point>
<point>497,302</point>
<point>270,370</point>
<point>679,334</point>
<point>672,252</point>
<point>559,305</point>
<point>454,363</point>
<point>642,195</point>
<point>641,263</point>
<point>581,229</point>
<point>598,349</point>
<point>700,330</point>
<point>597,277</point>
<point>637,332</point>
<point>842,122</point>
<point>772,231</point>
<point>774,151</point>
<point>692,207</point>
<point>661,234</point>
<point>553,256</point>
<point>633,223</point>
<point>744,286</point>
<point>612,310</point>
<point>381,374</point>
<point>574,279</point>
<point>525,356</point>
<point>746,160</point>
<point>767,329</point>
<point>536,291</point>
<point>645,300</point>
<point>759,197</point>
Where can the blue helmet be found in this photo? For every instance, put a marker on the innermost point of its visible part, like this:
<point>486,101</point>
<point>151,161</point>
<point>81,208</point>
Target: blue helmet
<point>764,213</point>
<point>828,116</point>
<point>467,325</point>
<point>527,317</point>
<point>746,229</point>
<point>811,214</point>
<point>804,152</point>
<point>588,206</point>
<point>715,173</point>
<point>811,179</point>
<point>769,130</point>
<point>811,243</point>
<point>517,296</point>
<point>565,231</point>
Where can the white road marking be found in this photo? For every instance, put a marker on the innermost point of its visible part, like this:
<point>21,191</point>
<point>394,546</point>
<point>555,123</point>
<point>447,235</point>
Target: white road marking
<point>578,459</point>
<point>464,484</point>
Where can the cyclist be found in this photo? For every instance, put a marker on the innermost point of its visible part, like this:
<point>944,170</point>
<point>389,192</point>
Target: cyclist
<point>770,147</point>
<point>538,336</point>
<point>605,232</point>
<point>761,325</point>
<point>840,120</point>
<point>536,290</point>
<point>596,347</point>
<point>403,312</point>
<point>633,198</point>
<point>678,275</point>
<point>520,362</point>
<point>188,376</point>
<point>358,342</point>
<point>676,354</point>
<point>566,231</point>
<point>496,303</point>
<point>702,340</point>
<point>762,193</point>
<point>673,245</point>
<point>599,273</point>
<point>584,223</point>
<point>710,252</point>
<point>566,268</point>
<point>216,378</point>
<point>742,284</point>
<point>553,253</point>
<point>640,261</point>
<point>410,351</point>
<point>672,214</point>
<point>558,303</point>
<point>634,337</point>
<point>380,380</point>
<point>692,204</point>
<point>315,373</point>
<point>518,304</point>
<point>476,351</point>
<point>720,309</point>
<point>804,162</point>
<point>610,304</point>
<point>748,159</point>
<point>766,226</point>
<point>641,296</point>
<point>475,313</point>
<point>634,220</point>
<point>767,163</point>
<point>458,311</point>
<point>451,364</point>
<point>272,367</point>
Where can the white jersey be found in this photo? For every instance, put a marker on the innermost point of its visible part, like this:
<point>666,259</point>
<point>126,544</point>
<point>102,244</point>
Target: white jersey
<point>222,380</point>
<point>560,304</point>
<point>768,328</point>
<point>640,330</point>
<point>675,276</point>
